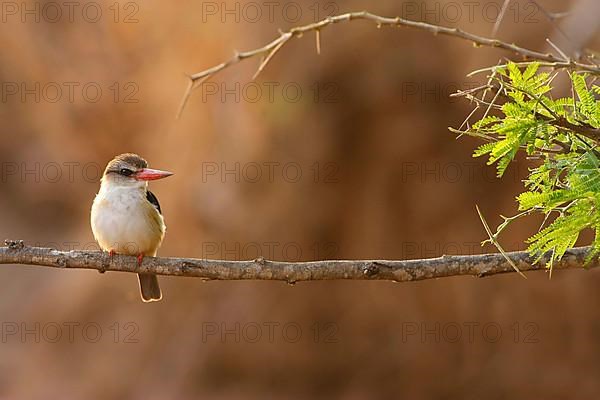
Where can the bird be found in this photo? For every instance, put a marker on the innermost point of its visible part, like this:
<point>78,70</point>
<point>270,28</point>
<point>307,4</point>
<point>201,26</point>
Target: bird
<point>126,217</point>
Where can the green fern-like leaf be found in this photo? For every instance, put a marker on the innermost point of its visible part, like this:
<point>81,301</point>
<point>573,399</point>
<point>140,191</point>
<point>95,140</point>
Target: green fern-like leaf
<point>566,182</point>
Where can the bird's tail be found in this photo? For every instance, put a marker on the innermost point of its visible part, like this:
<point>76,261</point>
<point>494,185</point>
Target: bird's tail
<point>149,288</point>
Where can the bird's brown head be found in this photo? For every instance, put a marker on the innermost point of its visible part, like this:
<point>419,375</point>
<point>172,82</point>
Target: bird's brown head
<point>129,169</point>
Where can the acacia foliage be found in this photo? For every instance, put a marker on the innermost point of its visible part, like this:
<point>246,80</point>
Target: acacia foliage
<point>562,133</point>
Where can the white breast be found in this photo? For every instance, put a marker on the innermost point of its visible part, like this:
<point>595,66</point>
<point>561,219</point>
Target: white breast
<point>123,220</point>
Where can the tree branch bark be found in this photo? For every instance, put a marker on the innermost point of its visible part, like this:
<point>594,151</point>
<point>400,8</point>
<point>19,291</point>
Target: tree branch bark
<point>268,51</point>
<point>15,252</point>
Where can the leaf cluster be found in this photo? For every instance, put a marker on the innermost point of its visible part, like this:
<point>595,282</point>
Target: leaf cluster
<point>524,117</point>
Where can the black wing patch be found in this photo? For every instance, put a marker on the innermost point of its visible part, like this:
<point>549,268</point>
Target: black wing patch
<point>153,200</point>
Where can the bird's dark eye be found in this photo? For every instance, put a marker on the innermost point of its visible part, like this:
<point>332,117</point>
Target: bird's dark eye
<point>125,172</point>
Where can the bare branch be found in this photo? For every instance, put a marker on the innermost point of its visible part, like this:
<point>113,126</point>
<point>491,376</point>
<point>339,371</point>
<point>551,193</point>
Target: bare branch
<point>259,269</point>
<point>271,48</point>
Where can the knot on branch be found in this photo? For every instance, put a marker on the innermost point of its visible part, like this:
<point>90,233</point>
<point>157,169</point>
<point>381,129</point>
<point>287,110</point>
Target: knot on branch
<point>186,266</point>
<point>14,244</point>
<point>371,269</point>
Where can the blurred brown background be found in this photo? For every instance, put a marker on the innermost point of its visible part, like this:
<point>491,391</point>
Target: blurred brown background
<point>362,167</point>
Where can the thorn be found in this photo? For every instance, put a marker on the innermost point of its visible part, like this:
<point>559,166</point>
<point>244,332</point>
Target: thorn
<point>493,240</point>
<point>318,40</point>
<point>268,57</point>
<point>185,98</point>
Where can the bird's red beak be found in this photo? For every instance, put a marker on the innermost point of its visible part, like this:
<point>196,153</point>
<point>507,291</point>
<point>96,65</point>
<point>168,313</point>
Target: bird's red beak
<point>148,174</point>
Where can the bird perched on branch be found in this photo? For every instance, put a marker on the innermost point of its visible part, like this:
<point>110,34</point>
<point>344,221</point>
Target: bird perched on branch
<point>126,216</point>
